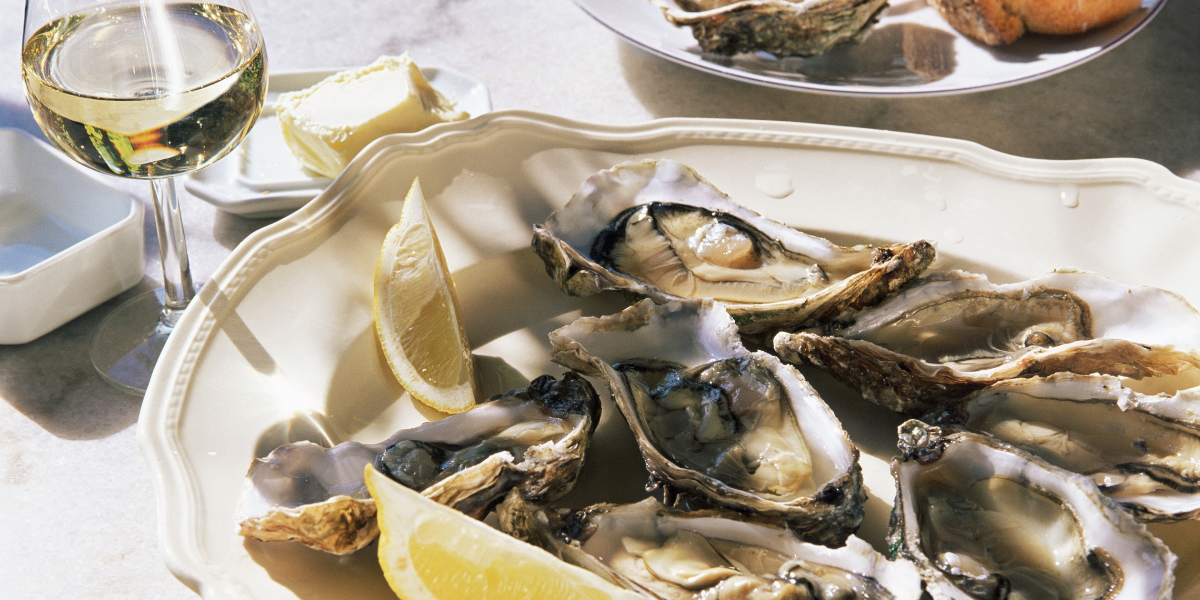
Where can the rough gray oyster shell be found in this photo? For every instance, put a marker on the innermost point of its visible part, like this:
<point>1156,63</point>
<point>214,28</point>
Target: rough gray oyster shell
<point>949,334</point>
<point>780,27</point>
<point>718,425</point>
<point>1141,450</point>
<point>532,439</point>
<point>671,554</point>
<point>998,522</point>
<point>656,229</point>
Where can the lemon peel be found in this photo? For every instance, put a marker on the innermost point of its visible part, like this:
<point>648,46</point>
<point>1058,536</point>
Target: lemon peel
<point>417,314</point>
<point>432,552</point>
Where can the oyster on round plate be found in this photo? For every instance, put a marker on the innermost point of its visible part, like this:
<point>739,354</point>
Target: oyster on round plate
<point>1001,523</point>
<point>718,425</point>
<point>532,439</point>
<point>1141,450</point>
<point>655,228</point>
<point>949,334</point>
<point>780,27</point>
<point>670,554</point>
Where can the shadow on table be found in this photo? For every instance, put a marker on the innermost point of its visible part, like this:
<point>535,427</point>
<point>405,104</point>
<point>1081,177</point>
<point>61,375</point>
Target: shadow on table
<point>51,380</point>
<point>1141,100</point>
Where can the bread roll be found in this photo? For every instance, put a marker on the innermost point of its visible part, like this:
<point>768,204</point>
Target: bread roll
<point>999,22</point>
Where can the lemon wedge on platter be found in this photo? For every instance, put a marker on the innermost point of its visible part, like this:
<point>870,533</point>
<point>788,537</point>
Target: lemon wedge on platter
<point>417,314</point>
<point>432,552</point>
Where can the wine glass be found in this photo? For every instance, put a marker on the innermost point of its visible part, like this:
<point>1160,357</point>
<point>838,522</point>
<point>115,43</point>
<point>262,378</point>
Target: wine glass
<point>146,89</point>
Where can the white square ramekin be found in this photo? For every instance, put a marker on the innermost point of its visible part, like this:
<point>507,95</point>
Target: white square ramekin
<point>68,241</point>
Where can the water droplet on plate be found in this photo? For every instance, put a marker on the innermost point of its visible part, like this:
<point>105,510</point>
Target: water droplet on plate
<point>776,184</point>
<point>1069,195</point>
<point>953,236</point>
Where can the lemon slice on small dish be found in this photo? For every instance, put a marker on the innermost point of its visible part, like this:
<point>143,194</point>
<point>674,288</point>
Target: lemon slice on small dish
<point>417,315</point>
<point>432,552</point>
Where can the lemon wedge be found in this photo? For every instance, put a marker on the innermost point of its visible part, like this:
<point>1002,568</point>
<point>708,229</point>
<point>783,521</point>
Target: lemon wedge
<point>432,552</point>
<point>417,315</point>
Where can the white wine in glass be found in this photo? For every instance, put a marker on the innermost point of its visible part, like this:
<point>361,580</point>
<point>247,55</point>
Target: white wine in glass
<point>146,89</point>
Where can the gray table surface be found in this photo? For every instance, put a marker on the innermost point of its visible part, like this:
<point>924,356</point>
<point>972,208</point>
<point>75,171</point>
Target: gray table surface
<point>78,508</point>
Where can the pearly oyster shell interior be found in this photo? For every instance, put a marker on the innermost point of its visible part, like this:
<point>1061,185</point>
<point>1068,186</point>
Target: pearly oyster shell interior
<point>949,334</point>
<point>998,522</point>
<point>719,425</point>
<point>657,229</point>
<point>669,554</point>
<point>1141,450</point>
<point>533,439</point>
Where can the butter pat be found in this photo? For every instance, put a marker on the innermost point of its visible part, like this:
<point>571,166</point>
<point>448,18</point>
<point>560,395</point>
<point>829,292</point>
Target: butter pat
<point>327,124</point>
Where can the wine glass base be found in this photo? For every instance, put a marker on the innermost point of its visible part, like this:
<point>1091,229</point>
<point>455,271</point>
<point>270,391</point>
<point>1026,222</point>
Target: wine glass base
<point>129,340</point>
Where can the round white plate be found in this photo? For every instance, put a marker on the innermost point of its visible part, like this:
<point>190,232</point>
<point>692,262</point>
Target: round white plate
<point>279,344</point>
<point>910,51</point>
<point>261,178</point>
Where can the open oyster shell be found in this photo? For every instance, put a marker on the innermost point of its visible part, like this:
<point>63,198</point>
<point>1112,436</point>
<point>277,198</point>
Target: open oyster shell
<point>949,334</point>
<point>781,27</point>
<point>656,229</point>
<point>669,554</point>
<point>532,439</point>
<point>1141,450</point>
<point>716,424</point>
<point>1001,523</point>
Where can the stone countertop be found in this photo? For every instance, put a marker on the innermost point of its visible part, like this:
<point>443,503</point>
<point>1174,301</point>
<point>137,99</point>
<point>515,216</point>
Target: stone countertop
<point>79,511</point>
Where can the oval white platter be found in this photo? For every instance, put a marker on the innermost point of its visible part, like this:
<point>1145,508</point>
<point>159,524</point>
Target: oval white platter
<point>279,343</point>
<point>911,51</point>
<point>261,178</point>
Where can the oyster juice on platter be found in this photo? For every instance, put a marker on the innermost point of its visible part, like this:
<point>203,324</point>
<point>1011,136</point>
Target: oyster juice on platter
<point>657,229</point>
<point>716,424</point>
<point>532,439</point>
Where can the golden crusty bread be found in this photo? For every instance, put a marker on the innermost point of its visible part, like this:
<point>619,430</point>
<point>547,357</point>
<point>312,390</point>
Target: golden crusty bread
<point>998,22</point>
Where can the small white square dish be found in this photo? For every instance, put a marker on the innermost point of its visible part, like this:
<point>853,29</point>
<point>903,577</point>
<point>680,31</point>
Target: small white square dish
<point>261,178</point>
<point>68,242</point>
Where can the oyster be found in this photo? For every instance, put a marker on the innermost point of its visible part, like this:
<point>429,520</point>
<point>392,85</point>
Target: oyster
<point>949,334</point>
<point>532,439</point>
<point>718,425</point>
<point>780,27</point>
<point>668,554</point>
<point>656,229</point>
<point>1142,450</point>
<point>1001,523</point>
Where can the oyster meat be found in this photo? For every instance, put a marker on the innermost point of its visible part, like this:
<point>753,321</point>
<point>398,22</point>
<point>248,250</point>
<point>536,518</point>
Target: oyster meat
<point>655,228</point>
<point>1142,450</point>
<point>716,424</point>
<point>532,439</point>
<point>998,522</point>
<point>949,334</point>
<point>669,554</point>
<point>780,27</point>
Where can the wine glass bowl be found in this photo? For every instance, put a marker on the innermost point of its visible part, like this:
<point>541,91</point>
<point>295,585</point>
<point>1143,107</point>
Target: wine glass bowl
<point>145,89</point>
<point>111,87</point>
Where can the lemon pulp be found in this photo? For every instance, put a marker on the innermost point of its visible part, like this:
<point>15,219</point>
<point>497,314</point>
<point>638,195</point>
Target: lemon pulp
<point>417,314</point>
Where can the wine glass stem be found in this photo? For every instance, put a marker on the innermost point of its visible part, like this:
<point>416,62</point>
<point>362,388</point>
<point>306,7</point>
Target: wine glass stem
<point>172,249</point>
